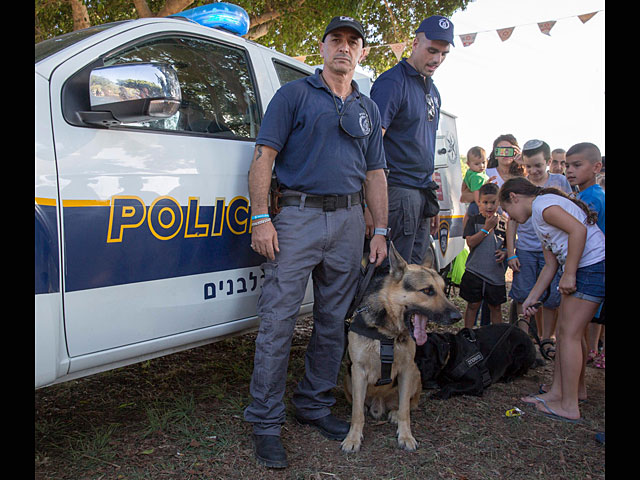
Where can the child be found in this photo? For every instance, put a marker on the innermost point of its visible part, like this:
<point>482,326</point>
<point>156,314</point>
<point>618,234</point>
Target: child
<point>524,254</point>
<point>484,274</point>
<point>571,240</point>
<point>584,167</point>
<point>474,178</point>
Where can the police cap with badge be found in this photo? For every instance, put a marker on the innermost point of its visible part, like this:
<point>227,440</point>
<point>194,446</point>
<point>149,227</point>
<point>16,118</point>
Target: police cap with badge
<point>437,27</point>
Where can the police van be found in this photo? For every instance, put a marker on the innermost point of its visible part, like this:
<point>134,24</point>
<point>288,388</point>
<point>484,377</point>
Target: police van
<point>145,132</point>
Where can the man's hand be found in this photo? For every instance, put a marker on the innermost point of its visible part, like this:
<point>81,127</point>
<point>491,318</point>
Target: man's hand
<point>378,249</point>
<point>264,240</point>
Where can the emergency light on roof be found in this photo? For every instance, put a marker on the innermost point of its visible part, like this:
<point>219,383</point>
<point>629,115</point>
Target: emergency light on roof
<point>222,15</point>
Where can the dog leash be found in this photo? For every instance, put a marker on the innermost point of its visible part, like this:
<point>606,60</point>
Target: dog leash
<point>533,330</point>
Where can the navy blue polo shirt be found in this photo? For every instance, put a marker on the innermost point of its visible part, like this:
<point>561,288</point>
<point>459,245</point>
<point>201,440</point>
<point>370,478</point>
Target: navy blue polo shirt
<point>410,138</point>
<point>315,155</point>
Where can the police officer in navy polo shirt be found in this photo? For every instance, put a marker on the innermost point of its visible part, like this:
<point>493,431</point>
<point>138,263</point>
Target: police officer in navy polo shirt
<point>409,104</point>
<point>325,140</point>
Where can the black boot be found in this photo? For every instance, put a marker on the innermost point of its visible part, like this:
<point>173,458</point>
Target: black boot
<point>269,451</point>
<point>329,426</point>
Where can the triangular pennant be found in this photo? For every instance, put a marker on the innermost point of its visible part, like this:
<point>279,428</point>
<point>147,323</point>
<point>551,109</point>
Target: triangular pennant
<point>545,27</point>
<point>468,38</point>
<point>505,33</point>
<point>397,49</point>
<point>586,17</point>
<point>302,58</point>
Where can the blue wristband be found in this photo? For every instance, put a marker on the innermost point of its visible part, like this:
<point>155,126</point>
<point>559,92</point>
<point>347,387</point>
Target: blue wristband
<point>511,258</point>
<point>256,217</point>
<point>483,230</point>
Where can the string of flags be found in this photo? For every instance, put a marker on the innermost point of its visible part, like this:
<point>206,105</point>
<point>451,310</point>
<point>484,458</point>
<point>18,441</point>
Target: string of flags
<point>468,38</point>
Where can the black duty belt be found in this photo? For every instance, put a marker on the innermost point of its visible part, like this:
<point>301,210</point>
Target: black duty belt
<point>328,203</point>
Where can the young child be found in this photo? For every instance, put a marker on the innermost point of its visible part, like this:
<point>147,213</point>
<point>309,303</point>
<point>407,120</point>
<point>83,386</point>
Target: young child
<point>584,166</point>
<point>570,240</point>
<point>484,272</point>
<point>524,254</point>
<point>474,178</point>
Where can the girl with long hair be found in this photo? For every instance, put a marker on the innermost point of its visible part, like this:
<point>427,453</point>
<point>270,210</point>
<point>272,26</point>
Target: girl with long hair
<point>572,241</point>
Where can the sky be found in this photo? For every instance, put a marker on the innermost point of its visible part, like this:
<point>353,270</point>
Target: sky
<point>531,85</point>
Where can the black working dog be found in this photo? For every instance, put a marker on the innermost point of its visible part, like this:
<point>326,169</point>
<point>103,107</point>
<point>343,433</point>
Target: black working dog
<point>468,362</point>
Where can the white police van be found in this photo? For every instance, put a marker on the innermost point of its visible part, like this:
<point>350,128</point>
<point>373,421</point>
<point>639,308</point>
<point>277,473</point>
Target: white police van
<point>145,132</point>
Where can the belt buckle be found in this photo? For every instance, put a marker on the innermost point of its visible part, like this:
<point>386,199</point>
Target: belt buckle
<point>329,203</point>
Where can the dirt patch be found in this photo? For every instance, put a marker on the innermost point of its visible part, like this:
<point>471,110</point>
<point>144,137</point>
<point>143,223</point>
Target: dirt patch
<point>180,417</point>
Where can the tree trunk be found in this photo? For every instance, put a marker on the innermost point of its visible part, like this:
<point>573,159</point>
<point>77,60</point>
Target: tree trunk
<point>173,6</point>
<point>142,8</point>
<point>80,15</point>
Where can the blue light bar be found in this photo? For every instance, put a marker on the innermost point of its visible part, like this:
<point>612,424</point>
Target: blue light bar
<point>226,16</point>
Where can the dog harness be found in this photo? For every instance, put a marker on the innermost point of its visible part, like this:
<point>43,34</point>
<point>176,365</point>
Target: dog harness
<point>475,359</point>
<point>386,345</point>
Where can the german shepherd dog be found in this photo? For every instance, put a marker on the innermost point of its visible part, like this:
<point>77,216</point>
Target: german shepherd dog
<point>396,305</point>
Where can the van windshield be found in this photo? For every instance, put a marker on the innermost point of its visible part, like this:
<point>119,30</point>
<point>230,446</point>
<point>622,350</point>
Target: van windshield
<point>53,45</point>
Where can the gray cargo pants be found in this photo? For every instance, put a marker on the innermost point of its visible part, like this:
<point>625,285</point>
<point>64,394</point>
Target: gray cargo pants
<point>327,245</point>
<point>409,227</point>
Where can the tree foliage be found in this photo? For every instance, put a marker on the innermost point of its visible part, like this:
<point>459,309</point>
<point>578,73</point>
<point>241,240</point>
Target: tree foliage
<point>293,27</point>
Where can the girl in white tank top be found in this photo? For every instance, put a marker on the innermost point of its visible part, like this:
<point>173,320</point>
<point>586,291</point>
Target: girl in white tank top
<point>571,240</point>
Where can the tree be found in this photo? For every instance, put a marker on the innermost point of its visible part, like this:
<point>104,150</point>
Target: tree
<point>293,27</point>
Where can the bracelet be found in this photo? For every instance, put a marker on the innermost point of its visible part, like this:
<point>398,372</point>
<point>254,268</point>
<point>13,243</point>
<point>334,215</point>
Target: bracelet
<point>260,222</point>
<point>484,231</point>
<point>256,217</point>
<point>511,258</point>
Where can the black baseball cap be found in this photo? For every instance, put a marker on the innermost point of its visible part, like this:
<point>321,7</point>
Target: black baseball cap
<point>343,21</point>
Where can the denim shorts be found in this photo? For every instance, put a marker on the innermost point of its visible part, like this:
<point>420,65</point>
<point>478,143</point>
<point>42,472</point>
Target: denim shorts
<point>590,282</point>
<point>531,264</point>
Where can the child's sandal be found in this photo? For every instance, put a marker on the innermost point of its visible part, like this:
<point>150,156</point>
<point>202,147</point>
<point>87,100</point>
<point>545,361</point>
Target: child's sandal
<point>592,354</point>
<point>598,361</point>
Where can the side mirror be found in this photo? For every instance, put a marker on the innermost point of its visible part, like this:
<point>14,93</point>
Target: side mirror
<point>131,93</point>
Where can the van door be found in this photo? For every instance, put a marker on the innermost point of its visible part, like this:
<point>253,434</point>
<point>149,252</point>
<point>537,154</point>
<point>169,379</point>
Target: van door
<point>448,176</point>
<point>156,216</point>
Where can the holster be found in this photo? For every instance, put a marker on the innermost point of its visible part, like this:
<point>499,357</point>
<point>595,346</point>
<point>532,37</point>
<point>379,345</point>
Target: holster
<point>275,193</point>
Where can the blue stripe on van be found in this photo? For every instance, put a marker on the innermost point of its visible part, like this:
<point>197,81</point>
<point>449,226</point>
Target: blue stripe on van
<point>140,256</point>
<point>47,272</point>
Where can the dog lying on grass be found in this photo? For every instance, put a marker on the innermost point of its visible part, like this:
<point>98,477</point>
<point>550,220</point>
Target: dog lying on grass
<point>395,308</point>
<point>468,362</point>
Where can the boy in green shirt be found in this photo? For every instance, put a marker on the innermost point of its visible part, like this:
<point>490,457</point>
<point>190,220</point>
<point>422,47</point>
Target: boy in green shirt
<point>474,178</point>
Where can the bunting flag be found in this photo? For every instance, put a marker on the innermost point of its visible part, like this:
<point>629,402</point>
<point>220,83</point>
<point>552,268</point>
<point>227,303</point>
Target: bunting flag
<point>586,17</point>
<point>545,27</point>
<point>397,49</point>
<point>469,38</point>
<point>505,33</point>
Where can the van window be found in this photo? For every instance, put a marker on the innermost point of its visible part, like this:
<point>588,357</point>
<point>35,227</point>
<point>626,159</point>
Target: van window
<point>218,90</point>
<point>287,74</point>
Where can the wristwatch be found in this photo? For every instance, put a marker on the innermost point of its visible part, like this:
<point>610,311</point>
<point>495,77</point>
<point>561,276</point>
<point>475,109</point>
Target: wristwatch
<point>382,231</point>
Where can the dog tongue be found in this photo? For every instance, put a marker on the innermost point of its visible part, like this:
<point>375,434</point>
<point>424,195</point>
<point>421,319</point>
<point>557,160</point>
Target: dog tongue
<point>419,332</point>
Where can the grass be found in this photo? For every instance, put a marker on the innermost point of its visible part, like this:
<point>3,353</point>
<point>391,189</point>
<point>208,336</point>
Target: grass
<point>180,417</point>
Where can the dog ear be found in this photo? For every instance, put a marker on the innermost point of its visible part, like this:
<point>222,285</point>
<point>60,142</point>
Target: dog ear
<point>397,264</point>
<point>428,258</point>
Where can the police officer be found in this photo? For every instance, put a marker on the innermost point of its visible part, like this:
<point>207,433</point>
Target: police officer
<point>409,104</point>
<point>325,139</point>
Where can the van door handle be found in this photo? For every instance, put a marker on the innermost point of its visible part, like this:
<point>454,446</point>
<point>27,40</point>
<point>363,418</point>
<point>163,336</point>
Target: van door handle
<point>442,151</point>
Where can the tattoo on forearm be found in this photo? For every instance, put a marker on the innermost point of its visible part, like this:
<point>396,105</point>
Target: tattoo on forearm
<point>259,154</point>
